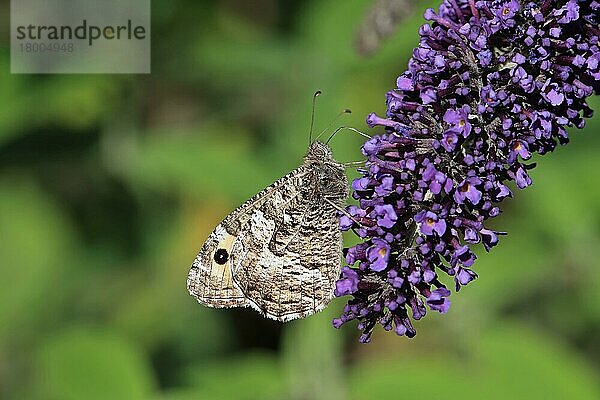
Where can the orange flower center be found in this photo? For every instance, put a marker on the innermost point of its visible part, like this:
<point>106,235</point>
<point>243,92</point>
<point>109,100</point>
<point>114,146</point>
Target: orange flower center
<point>517,146</point>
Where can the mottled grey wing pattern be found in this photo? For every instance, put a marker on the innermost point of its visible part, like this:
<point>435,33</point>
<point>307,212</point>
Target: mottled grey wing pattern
<point>283,245</point>
<point>297,279</point>
<point>211,282</point>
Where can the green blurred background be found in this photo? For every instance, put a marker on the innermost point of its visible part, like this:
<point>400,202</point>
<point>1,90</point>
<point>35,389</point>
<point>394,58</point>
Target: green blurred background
<point>109,185</point>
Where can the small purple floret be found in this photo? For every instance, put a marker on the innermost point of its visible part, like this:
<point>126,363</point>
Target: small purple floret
<point>438,300</point>
<point>348,284</point>
<point>378,255</point>
<point>430,222</point>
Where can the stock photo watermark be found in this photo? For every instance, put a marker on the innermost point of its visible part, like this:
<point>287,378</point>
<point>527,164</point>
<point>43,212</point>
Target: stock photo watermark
<point>80,36</point>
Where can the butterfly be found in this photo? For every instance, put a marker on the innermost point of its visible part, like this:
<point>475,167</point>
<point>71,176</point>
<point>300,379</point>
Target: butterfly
<point>280,251</point>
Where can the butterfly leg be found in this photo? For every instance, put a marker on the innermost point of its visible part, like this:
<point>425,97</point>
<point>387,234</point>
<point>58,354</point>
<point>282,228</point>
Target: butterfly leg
<point>341,209</point>
<point>354,163</point>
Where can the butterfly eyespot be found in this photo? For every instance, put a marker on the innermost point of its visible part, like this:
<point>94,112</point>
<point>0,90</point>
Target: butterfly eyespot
<point>221,256</point>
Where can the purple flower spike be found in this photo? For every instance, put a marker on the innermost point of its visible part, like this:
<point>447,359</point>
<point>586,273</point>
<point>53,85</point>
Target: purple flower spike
<point>491,84</point>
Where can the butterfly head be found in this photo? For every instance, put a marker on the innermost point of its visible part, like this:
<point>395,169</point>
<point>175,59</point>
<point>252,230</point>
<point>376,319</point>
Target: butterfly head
<point>319,151</point>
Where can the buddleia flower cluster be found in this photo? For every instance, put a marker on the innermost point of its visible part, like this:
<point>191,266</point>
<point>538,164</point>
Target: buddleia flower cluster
<point>490,84</point>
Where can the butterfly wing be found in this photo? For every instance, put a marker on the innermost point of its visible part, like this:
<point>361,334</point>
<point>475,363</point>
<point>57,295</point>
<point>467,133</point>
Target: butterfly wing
<point>211,282</point>
<point>294,275</point>
<point>299,281</point>
<point>280,251</point>
<point>211,278</point>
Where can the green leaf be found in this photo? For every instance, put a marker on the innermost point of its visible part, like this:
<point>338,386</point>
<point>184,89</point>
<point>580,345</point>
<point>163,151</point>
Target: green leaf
<point>71,102</point>
<point>250,376</point>
<point>85,364</point>
<point>312,353</point>
<point>36,241</point>
<point>218,160</point>
<point>524,363</point>
<point>507,361</point>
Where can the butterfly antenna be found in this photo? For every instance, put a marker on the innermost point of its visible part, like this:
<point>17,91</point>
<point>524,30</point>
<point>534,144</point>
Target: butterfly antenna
<point>350,129</point>
<point>312,115</point>
<point>328,127</point>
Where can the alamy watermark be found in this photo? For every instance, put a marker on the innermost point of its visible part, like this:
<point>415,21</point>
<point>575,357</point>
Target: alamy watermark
<point>80,36</point>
